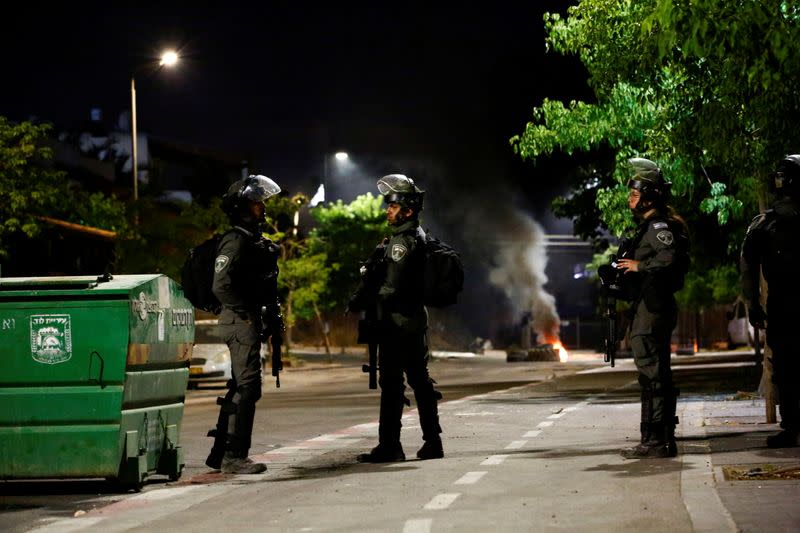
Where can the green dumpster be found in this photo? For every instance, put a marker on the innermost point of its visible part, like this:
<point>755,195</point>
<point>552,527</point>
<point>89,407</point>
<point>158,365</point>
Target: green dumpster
<point>94,374</point>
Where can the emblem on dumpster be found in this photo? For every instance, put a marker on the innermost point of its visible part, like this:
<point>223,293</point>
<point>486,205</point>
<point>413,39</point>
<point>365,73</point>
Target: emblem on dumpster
<point>51,338</point>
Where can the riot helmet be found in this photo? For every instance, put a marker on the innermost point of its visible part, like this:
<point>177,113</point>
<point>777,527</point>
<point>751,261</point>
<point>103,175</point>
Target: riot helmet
<point>649,181</point>
<point>400,189</point>
<point>786,179</point>
<point>254,188</point>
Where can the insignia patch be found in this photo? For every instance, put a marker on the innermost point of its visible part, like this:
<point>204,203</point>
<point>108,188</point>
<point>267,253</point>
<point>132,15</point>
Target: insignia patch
<point>659,225</point>
<point>665,237</point>
<point>51,338</point>
<point>398,252</point>
<point>220,263</point>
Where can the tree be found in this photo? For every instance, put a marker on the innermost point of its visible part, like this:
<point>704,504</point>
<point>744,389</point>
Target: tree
<point>710,89</point>
<point>31,188</point>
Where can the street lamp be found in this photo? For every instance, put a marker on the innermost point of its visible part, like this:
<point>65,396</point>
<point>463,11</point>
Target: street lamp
<point>319,196</point>
<point>168,59</point>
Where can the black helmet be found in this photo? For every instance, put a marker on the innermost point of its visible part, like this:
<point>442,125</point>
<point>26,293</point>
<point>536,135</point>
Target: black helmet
<point>786,179</point>
<point>250,189</point>
<point>649,180</point>
<point>400,189</point>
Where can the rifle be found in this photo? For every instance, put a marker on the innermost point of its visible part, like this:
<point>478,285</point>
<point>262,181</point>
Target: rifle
<point>610,281</point>
<point>277,365</point>
<point>272,321</point>
<point>365,299</point>
<point>367,327</point>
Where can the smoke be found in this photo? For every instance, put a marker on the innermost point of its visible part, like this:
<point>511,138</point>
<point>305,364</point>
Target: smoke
<point>516,244</point>
<point>519,272</point>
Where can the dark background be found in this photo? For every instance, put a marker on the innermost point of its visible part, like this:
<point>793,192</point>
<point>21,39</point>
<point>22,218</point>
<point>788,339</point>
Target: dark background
<point>433,92</point>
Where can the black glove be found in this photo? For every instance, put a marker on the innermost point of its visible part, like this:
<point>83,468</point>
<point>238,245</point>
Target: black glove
<point>757,317</point>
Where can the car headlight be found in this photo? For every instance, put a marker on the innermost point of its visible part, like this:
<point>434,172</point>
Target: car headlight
<point>219,357</point>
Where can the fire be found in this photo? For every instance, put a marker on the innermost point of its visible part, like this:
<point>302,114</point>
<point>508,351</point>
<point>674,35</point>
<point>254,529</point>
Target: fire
<point>563,355</point>
<point>553,340</point>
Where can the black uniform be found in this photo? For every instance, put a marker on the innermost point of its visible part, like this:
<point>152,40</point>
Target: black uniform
<point>245,282</point>
<point>772,245</point>
<point>403,345</point>
<point>661,246</point>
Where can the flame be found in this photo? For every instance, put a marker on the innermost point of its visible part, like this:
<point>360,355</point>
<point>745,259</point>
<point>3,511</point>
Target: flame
<point>563,355</point>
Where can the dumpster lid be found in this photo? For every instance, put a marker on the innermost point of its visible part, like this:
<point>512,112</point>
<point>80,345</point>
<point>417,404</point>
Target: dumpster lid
<point>73,285</point>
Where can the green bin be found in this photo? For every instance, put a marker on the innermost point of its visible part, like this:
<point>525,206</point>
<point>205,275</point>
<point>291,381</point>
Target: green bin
<point>94,374</point>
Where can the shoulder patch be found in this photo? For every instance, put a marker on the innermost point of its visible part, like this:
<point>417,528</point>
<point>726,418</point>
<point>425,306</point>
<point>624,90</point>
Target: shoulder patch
<point>398,252</point>
<point>220,263</point>
<point>660,225</point>
<point>665,236</point>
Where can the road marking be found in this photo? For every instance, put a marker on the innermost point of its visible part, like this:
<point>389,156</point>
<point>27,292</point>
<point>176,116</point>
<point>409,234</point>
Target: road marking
<point>494,460</point>
<point>571,408</point>
<point>556,415</point>
<point>442,501</point>
<point>369,425</point>
<point>531,434</point>
<point>469,478</point>
<point>545,424</point>
<point>422,525</point>
<point>516,444</point>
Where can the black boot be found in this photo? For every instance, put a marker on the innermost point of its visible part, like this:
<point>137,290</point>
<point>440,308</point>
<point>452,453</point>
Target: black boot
<point>220,433</point>
<point>384,453</point>
<point>784,439</point>
<point>431,449</point>
<point>656,447</point>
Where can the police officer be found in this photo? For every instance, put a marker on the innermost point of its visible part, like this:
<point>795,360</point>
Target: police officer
<point>402,326</point>
<point>772,246</point>
<point>654,264</point>
<point>245,282</point>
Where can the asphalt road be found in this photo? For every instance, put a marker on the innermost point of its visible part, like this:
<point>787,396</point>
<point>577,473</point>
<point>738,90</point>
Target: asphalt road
<point>310,430</point>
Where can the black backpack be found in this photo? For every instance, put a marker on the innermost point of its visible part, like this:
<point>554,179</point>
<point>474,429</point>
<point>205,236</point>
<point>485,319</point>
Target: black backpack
<point>444,272</point>
<point>197,275</point>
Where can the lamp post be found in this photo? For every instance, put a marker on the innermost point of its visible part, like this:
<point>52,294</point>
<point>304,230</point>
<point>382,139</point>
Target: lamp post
<point>168,59</point>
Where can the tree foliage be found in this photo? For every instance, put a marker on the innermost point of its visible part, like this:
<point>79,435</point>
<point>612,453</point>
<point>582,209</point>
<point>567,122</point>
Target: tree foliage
<point>709,89</point>
<point>347,234</point>
<point>31,188</point>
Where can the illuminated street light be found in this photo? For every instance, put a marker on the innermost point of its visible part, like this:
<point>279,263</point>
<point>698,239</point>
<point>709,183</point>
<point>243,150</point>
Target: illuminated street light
<point>168,59</point>
<point>341,156</point>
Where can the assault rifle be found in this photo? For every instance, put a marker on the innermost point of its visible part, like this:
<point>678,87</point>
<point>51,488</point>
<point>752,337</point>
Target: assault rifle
<point>273,328</point>
<point>365,299</point>
<point>277,364</point>
<point>608,276</point>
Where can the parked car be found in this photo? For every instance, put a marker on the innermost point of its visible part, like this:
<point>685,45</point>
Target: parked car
<point>211,359</point>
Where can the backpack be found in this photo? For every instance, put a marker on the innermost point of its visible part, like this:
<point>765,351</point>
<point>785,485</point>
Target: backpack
<point>197,275</point>
<point>444,272</point>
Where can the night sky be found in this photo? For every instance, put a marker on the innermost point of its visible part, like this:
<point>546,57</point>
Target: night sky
<point>433,92</point>
<point>285,85</point>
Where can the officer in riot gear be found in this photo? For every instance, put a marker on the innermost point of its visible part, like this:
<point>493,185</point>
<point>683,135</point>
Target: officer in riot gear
<point>654,264</point>
<point>402,325</point>
<point>245,282</point>
<point>772,247</point>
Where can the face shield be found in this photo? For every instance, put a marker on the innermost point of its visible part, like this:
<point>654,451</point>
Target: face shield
<point>397,183</point>
<point>259,188</point>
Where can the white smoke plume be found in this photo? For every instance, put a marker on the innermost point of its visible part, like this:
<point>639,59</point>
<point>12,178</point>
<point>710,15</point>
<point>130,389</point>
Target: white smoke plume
<point>520,272</point>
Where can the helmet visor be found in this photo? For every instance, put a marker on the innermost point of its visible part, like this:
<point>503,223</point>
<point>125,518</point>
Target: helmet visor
<point>395,183</point>
<point>259,188</point>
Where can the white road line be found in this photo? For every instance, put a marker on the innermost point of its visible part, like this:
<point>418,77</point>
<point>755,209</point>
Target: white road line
<point>533,433</point>
<point>516,444</point>
<point>469,478</point>
<point>545,424</point>
<point>422,525</point>
<point>494,460</point>
<point>441,501</point>
<point>571,408</point>
<point>556,415</point>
